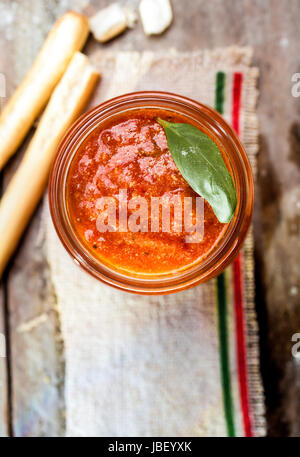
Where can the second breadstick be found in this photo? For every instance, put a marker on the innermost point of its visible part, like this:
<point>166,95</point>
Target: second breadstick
<point>28,183</point>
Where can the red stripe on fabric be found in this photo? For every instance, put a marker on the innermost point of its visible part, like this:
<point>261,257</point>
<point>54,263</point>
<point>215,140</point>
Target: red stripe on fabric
<point>238,285</point>
<point>236,101</point>
<point>241,343</point>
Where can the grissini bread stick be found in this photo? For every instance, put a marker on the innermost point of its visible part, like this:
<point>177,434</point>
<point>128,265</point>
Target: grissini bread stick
<point>67,36</point>
<point>27,185</point>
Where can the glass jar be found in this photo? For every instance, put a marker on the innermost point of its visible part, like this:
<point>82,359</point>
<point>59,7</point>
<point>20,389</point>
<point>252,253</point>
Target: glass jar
<point>207,120</point>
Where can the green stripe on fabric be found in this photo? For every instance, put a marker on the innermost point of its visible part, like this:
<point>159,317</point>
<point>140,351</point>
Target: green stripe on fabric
<point>220,92</point>
<point>224,353</point>
<point>222,299</point>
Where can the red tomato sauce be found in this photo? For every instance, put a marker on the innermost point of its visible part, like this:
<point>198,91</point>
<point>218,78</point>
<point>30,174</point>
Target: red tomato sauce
<point>131,152</point>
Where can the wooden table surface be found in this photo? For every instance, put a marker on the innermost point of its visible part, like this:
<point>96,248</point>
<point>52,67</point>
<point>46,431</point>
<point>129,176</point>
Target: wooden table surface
<point>31,377</point>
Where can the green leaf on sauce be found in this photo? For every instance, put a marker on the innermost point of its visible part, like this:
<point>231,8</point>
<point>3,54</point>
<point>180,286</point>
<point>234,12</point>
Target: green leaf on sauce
<point>201,164</point>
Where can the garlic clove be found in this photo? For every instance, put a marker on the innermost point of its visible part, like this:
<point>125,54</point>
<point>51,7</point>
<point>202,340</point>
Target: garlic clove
<point>109,22</point>
<point>156,16</point>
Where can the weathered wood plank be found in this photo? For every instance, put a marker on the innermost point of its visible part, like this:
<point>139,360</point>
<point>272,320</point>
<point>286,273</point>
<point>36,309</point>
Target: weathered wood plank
<point>4,426</point>
<point>36,351</point>
<point>36,347</point>
<point>3,362</point>
<point>36,363</point>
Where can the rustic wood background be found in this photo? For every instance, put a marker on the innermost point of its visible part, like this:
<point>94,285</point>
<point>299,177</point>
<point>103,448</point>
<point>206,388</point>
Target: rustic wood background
<point>31,376</point>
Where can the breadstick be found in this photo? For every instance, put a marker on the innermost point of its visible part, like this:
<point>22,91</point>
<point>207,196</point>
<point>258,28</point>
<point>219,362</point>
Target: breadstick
<point>27,185</point>
<point>66,37</point>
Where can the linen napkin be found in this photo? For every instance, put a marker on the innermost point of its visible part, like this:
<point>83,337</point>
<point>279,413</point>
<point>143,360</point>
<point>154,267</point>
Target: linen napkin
<point>177,365</point>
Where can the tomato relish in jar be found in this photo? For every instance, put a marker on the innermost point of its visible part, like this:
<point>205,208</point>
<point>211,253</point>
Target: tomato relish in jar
<point>129,156</point>
<point>113,164</point>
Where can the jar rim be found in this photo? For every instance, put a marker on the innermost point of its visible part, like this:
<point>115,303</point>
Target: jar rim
<point>230,243</point>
